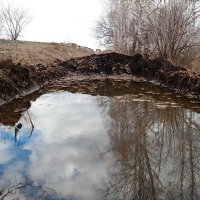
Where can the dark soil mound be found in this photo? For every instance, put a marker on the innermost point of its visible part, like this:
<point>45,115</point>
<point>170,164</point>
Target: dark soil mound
<point>161,71</point>
<point>107,64</point>
<point>16,79</point>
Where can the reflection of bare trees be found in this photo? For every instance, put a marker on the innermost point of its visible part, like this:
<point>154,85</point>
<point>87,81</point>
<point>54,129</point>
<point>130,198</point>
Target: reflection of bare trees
<point>27,119</point>
<point>157,150</point>
<point>25,186</point>
<point>32,126</point>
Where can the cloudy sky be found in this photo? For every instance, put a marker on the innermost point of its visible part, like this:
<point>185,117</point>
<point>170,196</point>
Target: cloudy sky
<point>61,20</point>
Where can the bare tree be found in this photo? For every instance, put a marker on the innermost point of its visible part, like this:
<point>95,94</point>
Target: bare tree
<point>166,28</point>
<point>14,21</point>
<point>104,33</point>
<point>118,28</point>
<point>124,22</point>
<point>172,28</point>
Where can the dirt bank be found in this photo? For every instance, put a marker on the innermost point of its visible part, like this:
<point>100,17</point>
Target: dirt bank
<point>26,66</point>
<point>20,79</point>
<point>162,72</point>
<point>104,74</point>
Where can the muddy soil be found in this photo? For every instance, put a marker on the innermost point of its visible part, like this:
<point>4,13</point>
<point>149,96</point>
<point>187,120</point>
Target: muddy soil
<point>18,79</point>
<point>159,71</point>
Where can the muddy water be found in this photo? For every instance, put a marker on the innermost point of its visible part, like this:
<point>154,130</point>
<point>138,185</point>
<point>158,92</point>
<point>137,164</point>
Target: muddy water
<point>101,142</point>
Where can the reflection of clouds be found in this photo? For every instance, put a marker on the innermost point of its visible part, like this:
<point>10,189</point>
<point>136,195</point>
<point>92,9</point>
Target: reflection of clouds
<point>11,159</point>
<point>5,154</point>
<point>62,162</point>
<point>71,128</point>
<point>69,114</point>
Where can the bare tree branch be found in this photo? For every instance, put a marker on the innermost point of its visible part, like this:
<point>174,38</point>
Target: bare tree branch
<point>14,21</point>
<point>166,28</point>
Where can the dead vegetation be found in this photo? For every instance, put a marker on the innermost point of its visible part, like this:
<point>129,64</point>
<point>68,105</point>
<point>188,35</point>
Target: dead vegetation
<point>33,53</point>
<point>168,29</point>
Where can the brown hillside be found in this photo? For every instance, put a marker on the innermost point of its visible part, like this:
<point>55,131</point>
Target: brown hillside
<point>33,53</point>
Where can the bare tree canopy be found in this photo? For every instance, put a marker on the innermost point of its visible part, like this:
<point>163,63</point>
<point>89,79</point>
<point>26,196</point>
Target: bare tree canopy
<point>14,20</point>
<point>166,28</point>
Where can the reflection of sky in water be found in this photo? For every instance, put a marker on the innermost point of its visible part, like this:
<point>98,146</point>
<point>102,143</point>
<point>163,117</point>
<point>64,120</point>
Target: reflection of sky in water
<point>64,147</point>
<point>79,139</point>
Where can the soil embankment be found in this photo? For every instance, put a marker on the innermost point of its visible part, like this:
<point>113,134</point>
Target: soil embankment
<point>96,74</point>
<point>26,66</point>
<point>113,65</point>
<point>19,79</point>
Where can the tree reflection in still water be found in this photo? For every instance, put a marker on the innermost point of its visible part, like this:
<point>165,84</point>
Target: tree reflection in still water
<point>157,150</point>
<point>25,187</point>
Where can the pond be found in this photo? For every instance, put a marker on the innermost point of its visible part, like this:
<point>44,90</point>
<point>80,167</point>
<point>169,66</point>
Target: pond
<point>110,144</point>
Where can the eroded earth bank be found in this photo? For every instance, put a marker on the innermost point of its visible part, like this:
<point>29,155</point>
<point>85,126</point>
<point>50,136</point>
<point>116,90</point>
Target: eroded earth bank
<point>20,79</point>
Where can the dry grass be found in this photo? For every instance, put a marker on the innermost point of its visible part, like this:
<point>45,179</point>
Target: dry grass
<point>194,64</point>
<point>191,63</point>
<point>33,53</point>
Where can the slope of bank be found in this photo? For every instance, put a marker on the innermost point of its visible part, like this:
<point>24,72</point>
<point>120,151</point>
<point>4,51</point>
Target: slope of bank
<point>33,53</point>
<point>26,66</point>
<point>159,71</point>
<point>20,79</point>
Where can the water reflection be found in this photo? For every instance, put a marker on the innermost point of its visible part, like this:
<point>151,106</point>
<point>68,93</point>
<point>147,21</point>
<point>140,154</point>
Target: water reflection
<point>75,146</point>
<point>31,189</point>
<point>157,150</point>
<point>63,150</point>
